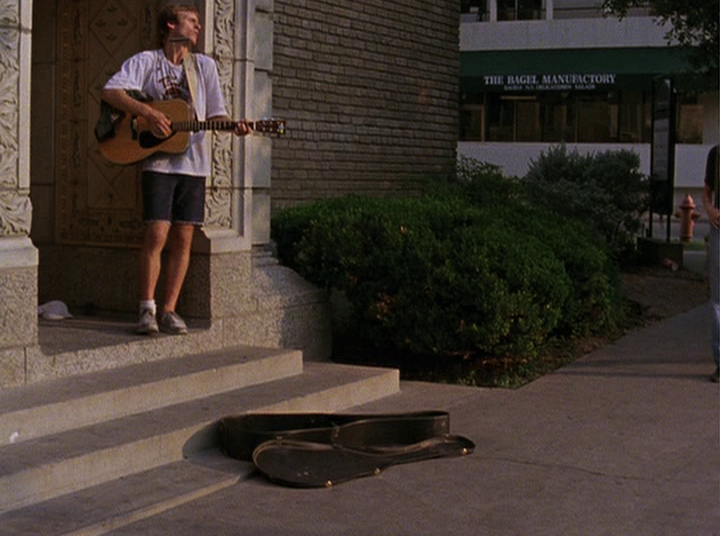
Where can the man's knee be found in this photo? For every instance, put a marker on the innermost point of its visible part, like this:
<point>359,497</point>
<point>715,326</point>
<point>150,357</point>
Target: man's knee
<point>181,236</point>
<point>156,235</point>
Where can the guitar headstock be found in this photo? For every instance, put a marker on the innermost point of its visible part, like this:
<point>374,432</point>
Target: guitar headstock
<point>270,127</point>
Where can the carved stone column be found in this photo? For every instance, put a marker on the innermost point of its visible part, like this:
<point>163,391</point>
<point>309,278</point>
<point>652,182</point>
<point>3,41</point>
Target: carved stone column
<point>18,257</point>
<point>239,35</point>
<point>219,282</point>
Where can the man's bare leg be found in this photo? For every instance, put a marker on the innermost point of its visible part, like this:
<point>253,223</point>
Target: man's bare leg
<point>156,235</point>
<point>150,261</point>
<point>179,243</point>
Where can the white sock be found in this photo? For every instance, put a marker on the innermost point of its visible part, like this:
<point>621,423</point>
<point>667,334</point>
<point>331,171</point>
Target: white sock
<point>148,304</point>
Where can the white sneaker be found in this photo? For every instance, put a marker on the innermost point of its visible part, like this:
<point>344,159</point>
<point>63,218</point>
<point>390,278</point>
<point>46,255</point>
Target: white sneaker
<point>147,325</point>
<point>173,324</point>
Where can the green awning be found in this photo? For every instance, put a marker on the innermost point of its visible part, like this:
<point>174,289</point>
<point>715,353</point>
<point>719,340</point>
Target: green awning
<point>568,69</point>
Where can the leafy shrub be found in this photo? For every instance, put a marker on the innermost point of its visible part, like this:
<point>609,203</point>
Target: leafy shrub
<point>605,190</point>
<point>481,184</point>
<point>595,303</point>
<point>457,272</point>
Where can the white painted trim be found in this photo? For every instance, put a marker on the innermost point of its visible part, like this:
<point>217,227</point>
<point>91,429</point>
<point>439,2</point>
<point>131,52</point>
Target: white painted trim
<point>561,34</point>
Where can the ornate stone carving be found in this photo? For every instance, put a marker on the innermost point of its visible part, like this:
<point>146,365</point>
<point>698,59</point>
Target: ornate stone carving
<point>222,161</point>
<point>9,103</point>
<point>219,204</point>
<point>112,25</point>
<point>9,12</point>
<point>224,45</point>
<point>15,214</point>
<point>224,39</point>
<point>96,202</point>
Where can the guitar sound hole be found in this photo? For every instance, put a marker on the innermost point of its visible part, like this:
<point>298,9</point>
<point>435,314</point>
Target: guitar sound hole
<point>148,140</point>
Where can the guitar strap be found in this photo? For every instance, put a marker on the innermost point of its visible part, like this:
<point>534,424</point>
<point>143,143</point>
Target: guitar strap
<point>190,66</point>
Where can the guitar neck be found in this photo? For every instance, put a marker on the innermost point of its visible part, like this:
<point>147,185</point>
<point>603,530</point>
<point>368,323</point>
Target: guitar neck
<point>268,127</point>
<point>194,126</point>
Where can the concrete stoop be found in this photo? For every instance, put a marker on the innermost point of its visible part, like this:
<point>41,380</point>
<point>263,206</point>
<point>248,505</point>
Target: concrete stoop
<point>89,453</point>
<point>277,309</point>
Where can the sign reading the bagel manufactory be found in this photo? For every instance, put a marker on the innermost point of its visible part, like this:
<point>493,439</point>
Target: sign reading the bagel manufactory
<point>549,82</point>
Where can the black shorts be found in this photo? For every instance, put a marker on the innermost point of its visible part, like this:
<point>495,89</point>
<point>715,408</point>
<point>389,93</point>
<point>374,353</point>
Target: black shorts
<point>174,198</point>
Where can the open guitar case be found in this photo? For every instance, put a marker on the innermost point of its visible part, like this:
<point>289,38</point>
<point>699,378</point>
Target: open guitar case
<point>321,449</point>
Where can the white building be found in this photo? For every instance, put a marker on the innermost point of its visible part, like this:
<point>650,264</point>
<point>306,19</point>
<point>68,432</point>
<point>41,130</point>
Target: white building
<point>538,73</point>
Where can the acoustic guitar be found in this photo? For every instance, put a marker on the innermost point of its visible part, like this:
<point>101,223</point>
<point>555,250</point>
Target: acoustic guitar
<point>133,140</point>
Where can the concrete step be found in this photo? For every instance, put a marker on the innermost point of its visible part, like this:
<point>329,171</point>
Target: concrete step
<point>54,406</point>
<point>82,345</point>
<point>106,507</point>
<point>66,462</point>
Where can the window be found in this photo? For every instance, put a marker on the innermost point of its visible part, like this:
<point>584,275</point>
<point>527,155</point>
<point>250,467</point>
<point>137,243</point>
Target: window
<point>475,10</point>
<point>582,9</point>
<point>500,114</point>
<point>689,120</point>
<point>579,117</point>
<point>558,118</point>
<point>634,116</point>
<point>577,9</point>
<point>519,9</point>
<point>595,120</point>
<point>472,122</point>
<point>529,127</point>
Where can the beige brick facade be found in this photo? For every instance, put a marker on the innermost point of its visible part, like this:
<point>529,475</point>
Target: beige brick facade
<point>369,89</point>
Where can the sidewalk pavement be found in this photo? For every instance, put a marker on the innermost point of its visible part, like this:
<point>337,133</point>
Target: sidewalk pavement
<point>622,442</point>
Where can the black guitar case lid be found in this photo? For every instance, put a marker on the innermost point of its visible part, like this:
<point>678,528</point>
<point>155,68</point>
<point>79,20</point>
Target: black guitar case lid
<point>322,449</point>
<point>311,465</point>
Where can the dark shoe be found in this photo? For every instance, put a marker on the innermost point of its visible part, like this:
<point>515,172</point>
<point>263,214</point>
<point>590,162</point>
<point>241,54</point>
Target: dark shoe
<point>147,325</point>
<point>173,324</point>
<point>715,376</point>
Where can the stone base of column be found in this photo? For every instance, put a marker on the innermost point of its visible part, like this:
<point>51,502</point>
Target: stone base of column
<point>18,307</point>
<point>259,303</point>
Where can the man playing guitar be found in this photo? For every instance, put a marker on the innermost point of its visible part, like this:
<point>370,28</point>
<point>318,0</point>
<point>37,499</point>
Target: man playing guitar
<point>173,185</point>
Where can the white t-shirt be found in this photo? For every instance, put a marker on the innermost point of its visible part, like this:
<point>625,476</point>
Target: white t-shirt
<point>151,72</point>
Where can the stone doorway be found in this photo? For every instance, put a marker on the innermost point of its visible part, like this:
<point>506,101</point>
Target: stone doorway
<point>86,212</point>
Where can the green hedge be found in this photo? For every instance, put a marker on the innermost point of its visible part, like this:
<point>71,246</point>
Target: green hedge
<point>605,190</point>
<point>464,271</point>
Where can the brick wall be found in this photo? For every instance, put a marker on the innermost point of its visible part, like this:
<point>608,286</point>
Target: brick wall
<point>369,89</point>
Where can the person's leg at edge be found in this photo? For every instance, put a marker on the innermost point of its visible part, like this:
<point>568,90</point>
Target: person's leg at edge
<point>714,277</point>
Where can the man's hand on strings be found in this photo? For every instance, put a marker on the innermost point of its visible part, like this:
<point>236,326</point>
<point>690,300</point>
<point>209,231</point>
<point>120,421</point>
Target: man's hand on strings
<point>242,128</point>
<point>160,124</point>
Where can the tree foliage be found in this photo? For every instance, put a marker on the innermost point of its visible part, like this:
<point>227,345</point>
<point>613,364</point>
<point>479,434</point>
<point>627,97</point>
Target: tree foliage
<point>694,23</point>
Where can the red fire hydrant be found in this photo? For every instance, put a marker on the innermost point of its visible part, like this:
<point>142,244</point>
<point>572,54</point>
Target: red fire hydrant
<point>687,217</point>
